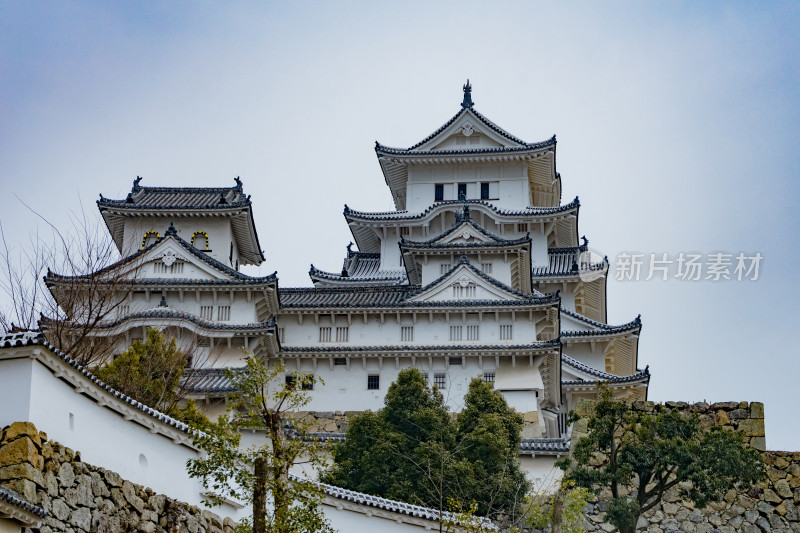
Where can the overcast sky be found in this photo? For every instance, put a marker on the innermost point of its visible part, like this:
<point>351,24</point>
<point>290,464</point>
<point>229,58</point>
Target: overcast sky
<point>677,125</point>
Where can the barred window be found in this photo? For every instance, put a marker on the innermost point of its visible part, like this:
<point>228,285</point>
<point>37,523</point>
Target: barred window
<point>472,333</point>
<point>425,376</point>
<point>522,227</point>
<point>373,382</point>
<point>325,334</point>
<point>207,312</point>
<point>342,333</point>
<point>488,377</point>
<point>308,381</point>
<point>281,334</point>
<point>405,231</point>
<point>460,291</point>
<point>440,380</point>
<point>175,268</point>
<point>123,310</point>
<point>486,268</point>
<point>223,313</point>
<point>444,268</point>
<point>407,333</point>
<point>455,333</point>
<point>506,332</point>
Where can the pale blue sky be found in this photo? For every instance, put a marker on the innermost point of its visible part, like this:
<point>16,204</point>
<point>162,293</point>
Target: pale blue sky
<point>677,125</point>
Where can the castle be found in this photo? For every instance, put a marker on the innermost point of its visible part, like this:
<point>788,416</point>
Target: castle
<point>479,272</point>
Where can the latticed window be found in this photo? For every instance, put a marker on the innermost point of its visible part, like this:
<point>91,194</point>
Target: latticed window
<point>488,377</point>
<point>486,268</point>
<point>455,333</point>
<point>460,291</point>
<point>506,332</point>
<point>342,333</point>
<point>440,380</point>
<point>223,313</point>
<point>325,334</point>
<point>407,333</point>
<point>373,382</point>
<point>207,312</point>
<point>472,333</point>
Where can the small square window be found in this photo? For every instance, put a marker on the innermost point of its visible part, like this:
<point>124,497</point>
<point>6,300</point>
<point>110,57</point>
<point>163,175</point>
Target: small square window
<point>488,377</point>
<point>484,191</point>
<point>308,381</point>
<point>340,361</point>
<point>440,380</point>
<point>406,333</point>
<point>373,382</point>
<point>473,333</point>
<point>438,193</point>
<point>458,360</point>
<point>506,332</point>
<point>455,333</point>
<point>342,333</point>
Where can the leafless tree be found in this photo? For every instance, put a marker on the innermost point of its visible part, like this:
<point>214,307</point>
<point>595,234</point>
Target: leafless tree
<point>62,282</point>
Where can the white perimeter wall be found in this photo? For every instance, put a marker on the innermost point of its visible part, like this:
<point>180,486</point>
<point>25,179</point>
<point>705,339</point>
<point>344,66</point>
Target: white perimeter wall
<point>29,392</point>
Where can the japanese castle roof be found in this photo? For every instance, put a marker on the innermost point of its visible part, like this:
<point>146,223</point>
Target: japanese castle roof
<point>464,222</point>
<point>634,326</point>
<point>182,201</point>
<point>235,277</point>
<point>399,296</point>
<point>466,121</point>
<point>13,499</point>
<point>402,215</point>
<point>166,313</point>
<point>596,375</point>
<point>359,268</point>
<point>208,380</point>
<point>566,261</point>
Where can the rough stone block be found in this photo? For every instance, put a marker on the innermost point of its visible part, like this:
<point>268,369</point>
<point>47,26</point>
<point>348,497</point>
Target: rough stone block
<point>752,427</point>
<point>18,429</point>
<point>20,450</point>
<point>759,443</point>
<point>22,471</point>
<point>725,405</point>
<point>756,410</point>
<point>739,414</point>
<point>783,489</point>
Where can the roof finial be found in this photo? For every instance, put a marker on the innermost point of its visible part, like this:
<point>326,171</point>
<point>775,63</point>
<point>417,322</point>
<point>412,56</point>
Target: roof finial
<point>136,182</point>
<point>467,102</point>
<point>238,182</point>
<point>163,302</point>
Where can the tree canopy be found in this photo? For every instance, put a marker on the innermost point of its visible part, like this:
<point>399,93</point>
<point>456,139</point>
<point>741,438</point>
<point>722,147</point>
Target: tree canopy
<point>413,450</point>
<point>640,455</point>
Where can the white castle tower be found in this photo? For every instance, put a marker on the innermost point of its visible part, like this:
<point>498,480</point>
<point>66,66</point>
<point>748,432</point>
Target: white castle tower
<point>477,273</point>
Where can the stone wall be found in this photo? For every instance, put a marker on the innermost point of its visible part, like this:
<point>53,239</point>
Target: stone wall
<point>80,497</point>
<point>772,506</point>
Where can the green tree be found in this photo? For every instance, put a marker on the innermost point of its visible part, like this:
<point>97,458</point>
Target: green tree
<point>412,450</point>
<point>639,456</point>
<point>263,401</point>
<point>148,371</point>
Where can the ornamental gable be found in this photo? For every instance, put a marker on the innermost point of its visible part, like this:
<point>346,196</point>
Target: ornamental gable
<point>464,282</point>
<point>467,131</point>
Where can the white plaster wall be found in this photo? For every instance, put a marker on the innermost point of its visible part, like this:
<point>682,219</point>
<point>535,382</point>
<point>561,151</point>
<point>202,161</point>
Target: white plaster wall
<point>15,390</point>
<point>541,471</point>
<point>426,331</point>
<point>583,353</point>
<point>219,232</point>
<point>508,184</point>
<point>103,437</point>
<point>9,526</point>
<point>350,521</point>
